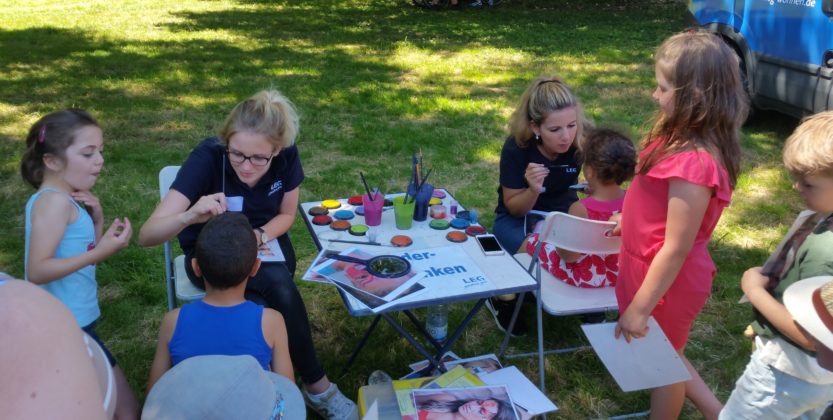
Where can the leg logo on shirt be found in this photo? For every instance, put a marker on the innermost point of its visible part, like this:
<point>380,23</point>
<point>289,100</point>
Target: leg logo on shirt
<point>276,186</point>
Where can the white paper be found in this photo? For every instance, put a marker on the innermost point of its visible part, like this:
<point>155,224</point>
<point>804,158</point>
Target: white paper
<point>271,252</point>
<point>646,362</point>
<point>524,393</point>
<point>234,203</point>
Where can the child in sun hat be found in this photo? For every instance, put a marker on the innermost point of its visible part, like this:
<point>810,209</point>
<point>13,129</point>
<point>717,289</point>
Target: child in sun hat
<point>223,387</point>
<point>810,303</point>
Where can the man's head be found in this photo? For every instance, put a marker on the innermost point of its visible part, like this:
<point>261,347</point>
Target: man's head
<point>226,251</point>
<point>810,303</point>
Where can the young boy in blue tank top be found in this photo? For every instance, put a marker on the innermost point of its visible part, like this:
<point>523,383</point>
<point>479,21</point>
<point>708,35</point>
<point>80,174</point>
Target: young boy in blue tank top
<point>223,322</point>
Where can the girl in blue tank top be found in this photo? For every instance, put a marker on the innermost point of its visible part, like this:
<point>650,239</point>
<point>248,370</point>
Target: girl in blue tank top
<point>64,222</point>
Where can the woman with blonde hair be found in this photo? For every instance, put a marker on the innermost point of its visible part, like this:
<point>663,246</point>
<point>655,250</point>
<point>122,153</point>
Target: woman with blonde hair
<point>253,167</point>
<point>537,167</point>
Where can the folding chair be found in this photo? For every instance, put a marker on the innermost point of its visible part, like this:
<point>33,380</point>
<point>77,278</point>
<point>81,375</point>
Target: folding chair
<point>176,280</point>
<point>554,296</point>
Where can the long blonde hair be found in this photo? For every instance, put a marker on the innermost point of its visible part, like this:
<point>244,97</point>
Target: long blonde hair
<point>544,96</point>
<point>267,112</point>
<point>710,104</point>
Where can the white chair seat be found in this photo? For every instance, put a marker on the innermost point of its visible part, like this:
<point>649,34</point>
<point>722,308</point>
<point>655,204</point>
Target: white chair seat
<point>185,290</point>
<point>559,298</point>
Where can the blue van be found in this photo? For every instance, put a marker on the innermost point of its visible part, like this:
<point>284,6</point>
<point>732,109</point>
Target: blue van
<point>785,49</point>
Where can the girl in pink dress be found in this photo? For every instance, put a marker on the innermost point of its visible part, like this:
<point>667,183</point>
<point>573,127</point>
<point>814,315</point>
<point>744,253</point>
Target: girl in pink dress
<point>609,159</point>
<point>687,170</point>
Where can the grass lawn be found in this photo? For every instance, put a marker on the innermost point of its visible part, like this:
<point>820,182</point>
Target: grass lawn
<point>374,80</point>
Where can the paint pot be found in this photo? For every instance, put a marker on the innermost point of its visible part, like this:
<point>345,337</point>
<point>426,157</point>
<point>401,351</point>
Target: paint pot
<point>355,200</point>
<point>359,210</point>
<point>463,214</point>
<point>322,220</point>
<point>388,203</point>
<point>434,201</point>
<point>340,225</point>
<point>438,194</point>
<point>475,230</point>
<point>331,204</point>
<point>358,230</point>
<point>317,211</point>
<point>456,236</point>
<point>439,224</point>
<point>437,211</point>
<point>401,241</point>
<point>344,215</point>
<point>460,223</point>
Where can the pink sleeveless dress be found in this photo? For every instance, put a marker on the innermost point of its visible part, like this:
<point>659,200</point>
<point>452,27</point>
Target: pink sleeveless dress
<point>590,270</point>
<point>643,234</point>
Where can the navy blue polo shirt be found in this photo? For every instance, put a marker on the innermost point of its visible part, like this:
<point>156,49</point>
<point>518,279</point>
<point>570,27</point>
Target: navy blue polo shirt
<point>202,174</point>
<point>563,173</point>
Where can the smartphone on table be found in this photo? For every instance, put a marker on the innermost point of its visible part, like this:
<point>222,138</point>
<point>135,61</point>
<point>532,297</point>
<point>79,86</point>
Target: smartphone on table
<point>489,245</point>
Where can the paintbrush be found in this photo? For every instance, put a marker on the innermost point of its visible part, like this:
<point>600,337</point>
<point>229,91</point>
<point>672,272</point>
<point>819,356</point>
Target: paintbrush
<point>357,242</point>
<point>366,188</point>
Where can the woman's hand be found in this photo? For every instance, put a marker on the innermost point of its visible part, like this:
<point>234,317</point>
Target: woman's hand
<point>92,204</point>
<point>116,238</point>
<point>205,208</point>
<point>632,324</point>
<point>535,174</point>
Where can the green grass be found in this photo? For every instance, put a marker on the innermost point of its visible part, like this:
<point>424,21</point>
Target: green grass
<point>371,78</point>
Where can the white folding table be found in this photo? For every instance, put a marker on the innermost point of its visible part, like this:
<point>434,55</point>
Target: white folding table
<point>504,274</point>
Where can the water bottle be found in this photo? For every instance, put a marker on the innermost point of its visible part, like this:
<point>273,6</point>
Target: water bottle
<point>436,322</point>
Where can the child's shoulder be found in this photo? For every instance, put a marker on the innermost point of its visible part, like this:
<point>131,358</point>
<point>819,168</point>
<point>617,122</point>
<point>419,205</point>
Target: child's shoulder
<point>52,203</point>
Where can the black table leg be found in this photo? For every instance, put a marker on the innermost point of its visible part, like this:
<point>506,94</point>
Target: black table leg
<point>360,345</point>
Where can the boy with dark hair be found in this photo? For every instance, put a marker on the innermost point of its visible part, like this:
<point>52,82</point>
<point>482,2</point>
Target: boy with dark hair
<point>783,378</point>
<point>223,322</point>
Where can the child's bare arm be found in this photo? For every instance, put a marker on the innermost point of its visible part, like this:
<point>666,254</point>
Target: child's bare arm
<point>50,216</point>
<point>274,329</point>
<point>687,203</point>
<point>576,209</point>
<point>162,357</point>
<point>753,284</point>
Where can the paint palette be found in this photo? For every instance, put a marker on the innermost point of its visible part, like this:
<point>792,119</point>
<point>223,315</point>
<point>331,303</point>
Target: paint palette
<point>401,241</point>
<point>344,215</point>
<point>318,211</point>
<point>460,223</point>
<point>322,220</point>
<point>331,204</point>
<point>475,230</point>
<point>439,224</point>
<point>456,236</point>
<point>358,230</point>
<point>340,225</point>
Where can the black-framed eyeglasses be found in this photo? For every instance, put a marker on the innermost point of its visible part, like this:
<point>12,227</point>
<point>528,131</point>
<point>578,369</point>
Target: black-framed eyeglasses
<point>256,160</point>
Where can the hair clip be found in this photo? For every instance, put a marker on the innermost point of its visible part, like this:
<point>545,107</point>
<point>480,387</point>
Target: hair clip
<point>42,134</point>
